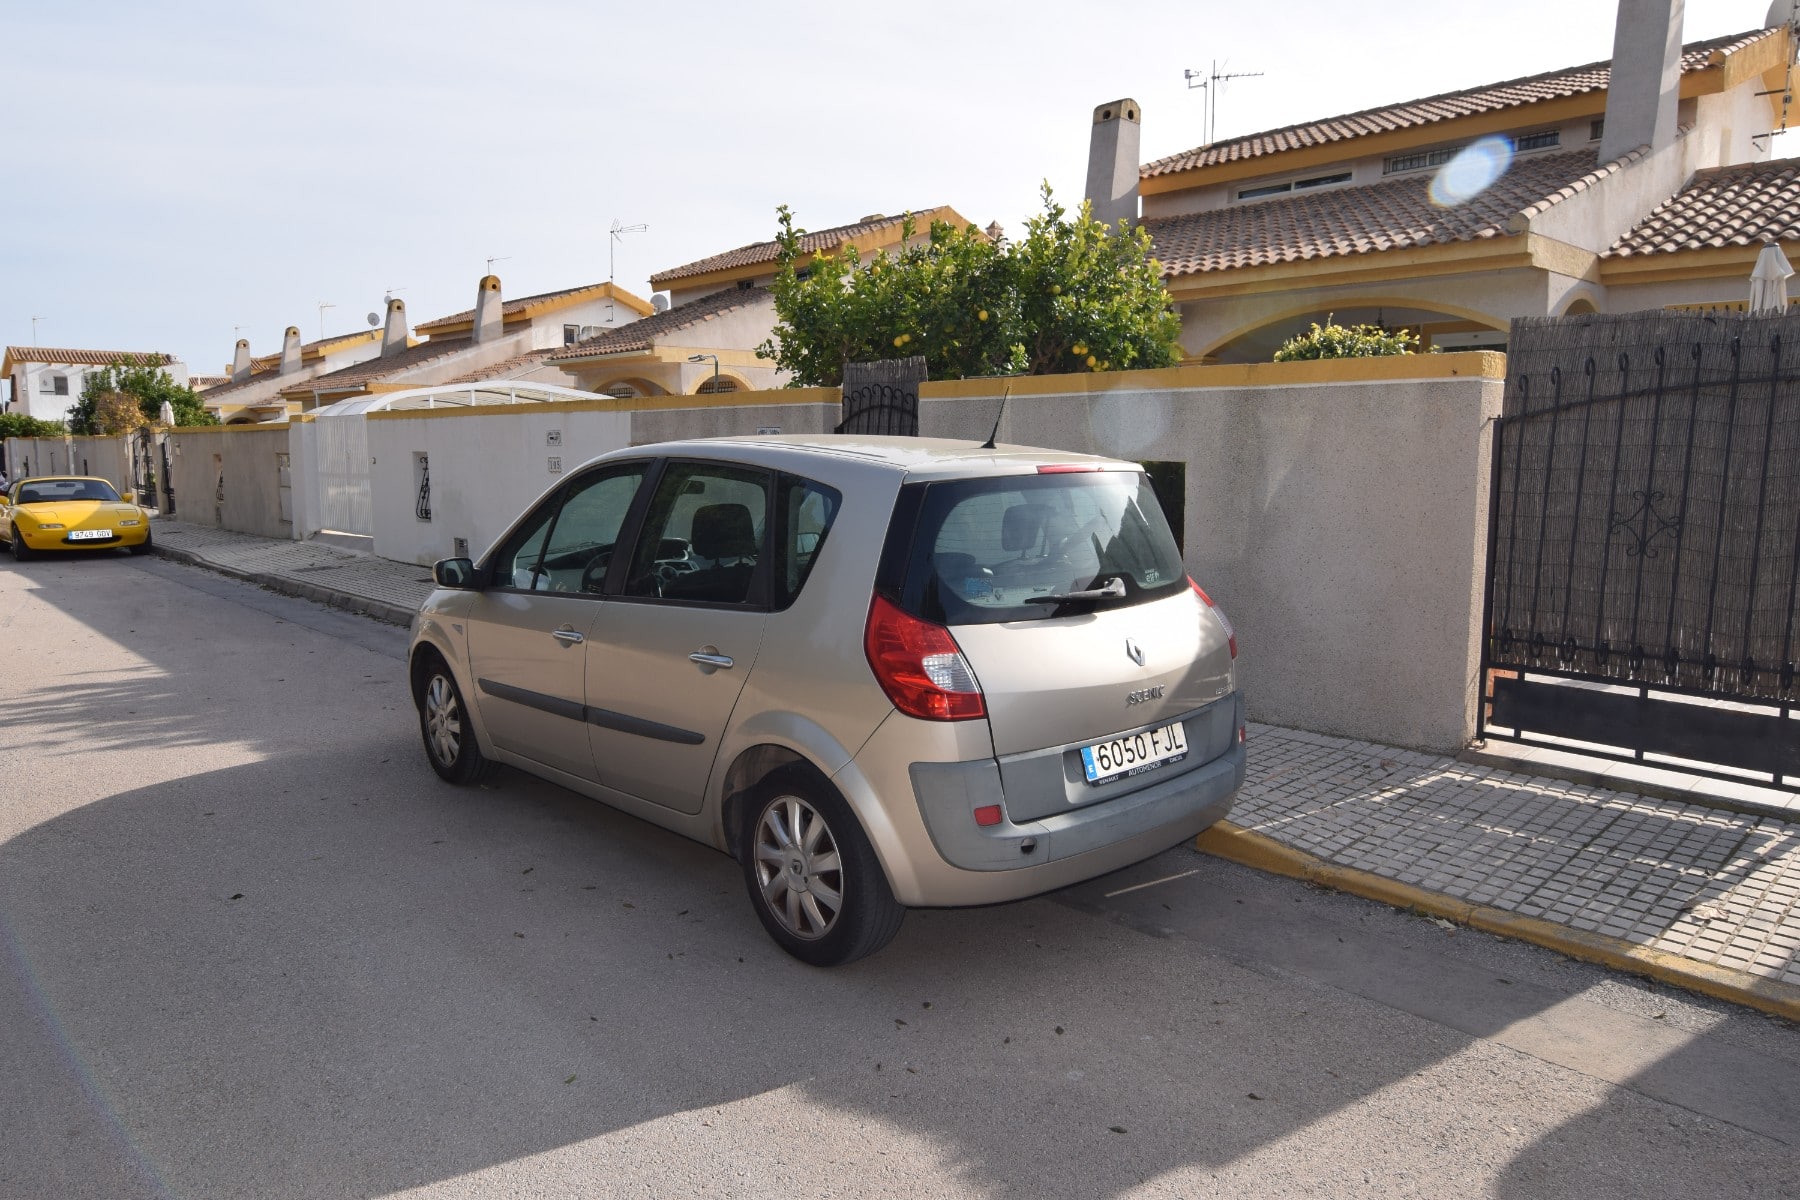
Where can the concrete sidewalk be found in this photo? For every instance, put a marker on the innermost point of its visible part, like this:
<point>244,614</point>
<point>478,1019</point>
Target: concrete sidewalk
<point>1673,888</point>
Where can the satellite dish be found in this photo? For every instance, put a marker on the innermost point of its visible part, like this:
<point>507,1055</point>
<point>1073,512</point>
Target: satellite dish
<point>374,320</point>
<point>660,302</point>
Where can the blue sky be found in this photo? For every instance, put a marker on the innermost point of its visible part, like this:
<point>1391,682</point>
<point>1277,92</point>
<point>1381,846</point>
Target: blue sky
<point>181,171</point>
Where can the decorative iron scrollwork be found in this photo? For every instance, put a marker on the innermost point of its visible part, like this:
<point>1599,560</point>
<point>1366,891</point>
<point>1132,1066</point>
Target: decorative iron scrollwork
<point>1644,516</point>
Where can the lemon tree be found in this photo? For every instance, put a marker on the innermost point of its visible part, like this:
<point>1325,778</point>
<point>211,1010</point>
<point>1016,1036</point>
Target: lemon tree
<point>1071,295</point>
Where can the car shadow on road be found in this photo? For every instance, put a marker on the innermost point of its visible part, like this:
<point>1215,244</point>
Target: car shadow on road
<point>324,972</point>
<point>252,986</point>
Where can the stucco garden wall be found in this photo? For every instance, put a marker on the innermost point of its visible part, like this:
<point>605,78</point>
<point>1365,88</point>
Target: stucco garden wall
<point>1337,511</point>
<point>487,464</point>
<point>107,457</point>
<point>248,458</point>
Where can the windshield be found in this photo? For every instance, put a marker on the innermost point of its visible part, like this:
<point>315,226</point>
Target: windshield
<point>47,491</point>
<point>1030,547</point>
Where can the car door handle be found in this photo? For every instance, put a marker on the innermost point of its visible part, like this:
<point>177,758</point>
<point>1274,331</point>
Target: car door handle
<point>567,636</point>
<point>709,660</point>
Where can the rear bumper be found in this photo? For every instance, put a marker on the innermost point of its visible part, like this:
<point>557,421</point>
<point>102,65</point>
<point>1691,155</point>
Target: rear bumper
<point>937,856</point>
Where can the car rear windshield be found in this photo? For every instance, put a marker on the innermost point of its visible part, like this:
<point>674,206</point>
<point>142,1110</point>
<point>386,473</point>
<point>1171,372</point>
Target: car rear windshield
<point>1032,547</point>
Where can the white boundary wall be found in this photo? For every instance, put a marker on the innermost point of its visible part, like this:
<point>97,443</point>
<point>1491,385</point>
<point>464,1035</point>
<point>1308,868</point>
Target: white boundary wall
<point>1336,510</point>
<point>487,465</point>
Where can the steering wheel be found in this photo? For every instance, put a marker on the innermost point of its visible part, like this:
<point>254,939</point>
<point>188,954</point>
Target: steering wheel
<point>593,576</point>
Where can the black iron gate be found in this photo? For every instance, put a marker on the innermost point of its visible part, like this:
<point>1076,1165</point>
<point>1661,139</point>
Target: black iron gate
<point>1644,548</point>
<point>882,397</point>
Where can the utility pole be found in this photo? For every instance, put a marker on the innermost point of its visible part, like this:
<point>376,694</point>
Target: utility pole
<point>1209,83</point>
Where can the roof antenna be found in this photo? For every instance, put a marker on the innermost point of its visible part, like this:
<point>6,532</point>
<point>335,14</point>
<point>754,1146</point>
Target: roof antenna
<point>989,444</point>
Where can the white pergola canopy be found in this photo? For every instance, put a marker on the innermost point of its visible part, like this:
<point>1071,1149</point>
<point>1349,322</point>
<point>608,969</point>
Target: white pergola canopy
<point>500,391</point>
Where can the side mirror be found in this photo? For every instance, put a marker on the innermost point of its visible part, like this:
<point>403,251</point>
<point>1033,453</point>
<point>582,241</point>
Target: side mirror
<point>128,497</point>
<point>455,573</point>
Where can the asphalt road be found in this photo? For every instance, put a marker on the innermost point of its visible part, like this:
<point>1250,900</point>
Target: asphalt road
<point>251,946</point>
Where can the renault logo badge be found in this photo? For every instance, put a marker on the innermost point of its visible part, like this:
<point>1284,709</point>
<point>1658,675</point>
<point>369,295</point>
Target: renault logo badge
<point>1134,651</point>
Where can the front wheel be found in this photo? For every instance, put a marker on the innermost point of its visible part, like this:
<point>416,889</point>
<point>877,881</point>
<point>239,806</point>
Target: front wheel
<point>444,725</point>
<point>813,877</point>
<point>142,547</point>
<point>20,551</point>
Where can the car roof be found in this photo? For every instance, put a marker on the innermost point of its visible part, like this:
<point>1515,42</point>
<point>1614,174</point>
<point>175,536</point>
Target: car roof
<point>65,479</point>
<point>912,457</point>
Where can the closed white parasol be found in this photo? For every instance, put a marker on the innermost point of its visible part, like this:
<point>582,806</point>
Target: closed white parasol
<point>1768,281</point>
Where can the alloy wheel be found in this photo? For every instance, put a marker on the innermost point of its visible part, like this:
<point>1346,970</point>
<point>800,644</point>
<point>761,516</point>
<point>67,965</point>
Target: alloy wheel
<point>443,720</point>
<point>798,867</point>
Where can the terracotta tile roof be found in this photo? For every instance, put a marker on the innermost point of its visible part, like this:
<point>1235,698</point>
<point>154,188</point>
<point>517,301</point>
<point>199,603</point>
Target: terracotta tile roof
<point>642,334</point>
<point>1395,213</point>
<point>374,370</point>
<point>268,362</point>
<point>1512,93</point>
<point>824,239</point>
<point>505,367</point>
<point>511,308</point>
<point>1742,205</point>
<point>87,358</point>
<point>202,383</point>
<point>230,387</point>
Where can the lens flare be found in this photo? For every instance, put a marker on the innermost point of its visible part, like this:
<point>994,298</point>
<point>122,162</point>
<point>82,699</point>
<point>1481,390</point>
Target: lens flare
<point>1473,170</point>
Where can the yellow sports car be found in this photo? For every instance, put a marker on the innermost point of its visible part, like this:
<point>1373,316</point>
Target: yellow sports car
<point>70,512</point>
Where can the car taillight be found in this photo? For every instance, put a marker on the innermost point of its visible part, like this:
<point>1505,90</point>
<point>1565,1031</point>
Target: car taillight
<point>1230,633</point>
<point>920,666</point>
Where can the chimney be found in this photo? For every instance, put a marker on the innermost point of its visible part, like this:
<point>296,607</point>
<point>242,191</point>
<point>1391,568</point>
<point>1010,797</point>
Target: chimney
<point>1645,87</point>
<point>393,334</point>
<point>290,350</point>
<point>487,309</point>
<point>1112,177</point>
<point>240,361</point>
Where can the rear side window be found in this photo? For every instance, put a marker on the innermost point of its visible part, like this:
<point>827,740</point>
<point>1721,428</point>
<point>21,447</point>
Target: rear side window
<point>807,511</point>
<point>1031,547</point>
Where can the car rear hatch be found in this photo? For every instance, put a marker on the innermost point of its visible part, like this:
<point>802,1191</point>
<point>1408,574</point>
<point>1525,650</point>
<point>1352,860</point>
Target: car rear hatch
<point>1065,593</point>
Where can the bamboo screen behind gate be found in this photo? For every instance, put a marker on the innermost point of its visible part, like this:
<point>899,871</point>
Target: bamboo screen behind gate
<point>1647,501</point>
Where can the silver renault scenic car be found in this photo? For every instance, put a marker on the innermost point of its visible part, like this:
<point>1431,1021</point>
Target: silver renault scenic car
<point>879,672</point>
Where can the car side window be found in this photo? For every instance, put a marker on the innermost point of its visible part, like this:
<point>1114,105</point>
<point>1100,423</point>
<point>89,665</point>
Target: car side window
<point>703,536</point>
<point>807,510</point>
<point>567,544</point>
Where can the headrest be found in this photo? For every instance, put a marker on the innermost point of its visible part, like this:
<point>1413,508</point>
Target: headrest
<point>723,531</point>
<point>1022,525</point>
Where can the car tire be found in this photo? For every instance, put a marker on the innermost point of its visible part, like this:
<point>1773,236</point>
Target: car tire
<point>813,877</point>
<point>20,551</point>
<point>444,725</point>
<point>142,547</point>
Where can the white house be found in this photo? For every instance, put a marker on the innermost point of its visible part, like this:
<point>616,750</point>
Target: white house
<point>47,382</point>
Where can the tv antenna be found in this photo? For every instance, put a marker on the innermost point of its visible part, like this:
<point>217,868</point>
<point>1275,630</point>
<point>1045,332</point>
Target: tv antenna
<point>1209,82</point>
<point>617,232</point>
<point>34,322</point>
<point>323,305</point>
<point>494,258</point>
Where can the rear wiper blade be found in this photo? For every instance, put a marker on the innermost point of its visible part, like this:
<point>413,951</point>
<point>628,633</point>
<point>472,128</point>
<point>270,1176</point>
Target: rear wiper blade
<point>1112,589</point>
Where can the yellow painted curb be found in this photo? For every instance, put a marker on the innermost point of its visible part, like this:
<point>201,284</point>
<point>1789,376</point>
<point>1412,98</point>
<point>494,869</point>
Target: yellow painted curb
<point>1241,845</point>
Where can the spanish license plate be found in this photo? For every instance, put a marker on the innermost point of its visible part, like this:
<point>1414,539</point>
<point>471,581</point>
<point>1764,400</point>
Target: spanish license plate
<point>1134,753</point>
<point>89,535</point>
